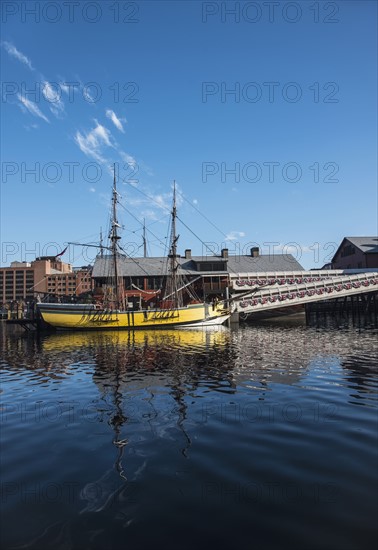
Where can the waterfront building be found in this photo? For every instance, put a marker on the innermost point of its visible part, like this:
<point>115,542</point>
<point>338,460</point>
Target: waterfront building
<point>209,275</point>
<point>142,277</point>
<point>356,253</point>
<point>45,275</point>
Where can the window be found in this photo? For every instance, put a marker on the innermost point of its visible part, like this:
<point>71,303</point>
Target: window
<point>153,283</point>
<point>139,282</point>
<point>348,250</point>
<point>211,266</point>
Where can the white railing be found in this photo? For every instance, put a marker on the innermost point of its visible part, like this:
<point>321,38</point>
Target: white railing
<point>282,292</point>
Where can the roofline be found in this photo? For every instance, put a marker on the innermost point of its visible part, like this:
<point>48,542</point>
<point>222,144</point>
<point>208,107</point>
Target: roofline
<point>337,251</point>
<point>348,239</point>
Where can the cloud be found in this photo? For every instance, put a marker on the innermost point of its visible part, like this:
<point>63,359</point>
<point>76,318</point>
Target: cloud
<point>65,87</point>
<point>151,201</point>
<point>53,97</point>
<point>92,190</point>
<point>101,133</point>
<point>234,235</point>
<point>14,52</point>
<point>29,127</point>
<point>116,121</point>
<point>164,200</point>
<point>143,166</point>
<point>161,201</point>
<point>31,107</point>
<point>150,215</point>
<point>92,142</point>
<point>128,159</point>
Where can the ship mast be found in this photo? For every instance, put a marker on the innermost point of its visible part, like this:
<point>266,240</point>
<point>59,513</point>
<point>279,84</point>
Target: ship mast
<point>173,254</point>
<point>114,237</point>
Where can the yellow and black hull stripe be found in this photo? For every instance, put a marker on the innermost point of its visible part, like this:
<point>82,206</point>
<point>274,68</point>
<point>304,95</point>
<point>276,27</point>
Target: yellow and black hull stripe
<point>87,317</point>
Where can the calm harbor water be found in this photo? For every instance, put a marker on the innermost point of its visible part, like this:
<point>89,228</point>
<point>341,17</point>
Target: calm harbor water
<point>259,437</point>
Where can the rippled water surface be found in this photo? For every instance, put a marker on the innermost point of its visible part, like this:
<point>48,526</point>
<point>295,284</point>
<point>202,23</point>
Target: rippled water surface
<point>260,437</point>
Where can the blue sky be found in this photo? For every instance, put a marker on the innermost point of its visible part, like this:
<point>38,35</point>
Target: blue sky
<point>264,114</point>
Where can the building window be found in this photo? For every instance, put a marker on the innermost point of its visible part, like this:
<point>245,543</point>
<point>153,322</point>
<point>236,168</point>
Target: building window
<point>154,283</point>
<point>348,250</point>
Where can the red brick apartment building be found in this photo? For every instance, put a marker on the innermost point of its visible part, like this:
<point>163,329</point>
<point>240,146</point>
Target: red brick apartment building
<point>45,275</point>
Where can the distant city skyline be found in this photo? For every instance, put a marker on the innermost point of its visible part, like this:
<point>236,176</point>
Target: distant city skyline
<point>264,114</point>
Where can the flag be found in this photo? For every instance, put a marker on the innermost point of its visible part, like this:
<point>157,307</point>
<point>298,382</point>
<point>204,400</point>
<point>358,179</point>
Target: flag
<point>61,254</point>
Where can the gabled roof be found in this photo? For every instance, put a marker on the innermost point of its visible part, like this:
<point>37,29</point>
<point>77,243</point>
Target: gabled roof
<point>138,267</point>
<point>368,245</point>
<point>263,263</point>
<point>156,267</point>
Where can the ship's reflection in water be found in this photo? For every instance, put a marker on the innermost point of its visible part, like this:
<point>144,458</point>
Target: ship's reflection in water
<point>265,435</point>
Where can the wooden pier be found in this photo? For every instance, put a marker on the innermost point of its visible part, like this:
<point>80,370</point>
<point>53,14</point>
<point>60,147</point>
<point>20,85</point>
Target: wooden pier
<point>30,325</point>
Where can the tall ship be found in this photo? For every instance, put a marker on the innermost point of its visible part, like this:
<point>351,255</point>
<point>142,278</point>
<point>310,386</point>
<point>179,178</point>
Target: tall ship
<point>177,305</point>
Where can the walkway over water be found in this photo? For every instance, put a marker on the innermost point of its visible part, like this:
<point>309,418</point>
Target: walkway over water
<point>277,290</point>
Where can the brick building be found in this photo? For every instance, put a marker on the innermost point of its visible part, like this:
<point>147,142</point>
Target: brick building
<point>45,275</point>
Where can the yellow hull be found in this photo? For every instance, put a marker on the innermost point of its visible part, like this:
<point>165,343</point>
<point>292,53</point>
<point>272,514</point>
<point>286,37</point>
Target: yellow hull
<point>86,317</point>
<point>185,340</point>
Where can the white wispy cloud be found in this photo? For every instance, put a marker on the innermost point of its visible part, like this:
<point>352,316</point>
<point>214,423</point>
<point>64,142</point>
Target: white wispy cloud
<point>143,166</point>
<point>93,142</point>
<point>14,52</point>
<point>53,97</point>
<point>102,134</point>
<point>69,87</point>
<point>152,203</point>
<point>127,158</point>
<point>150,214</point>
<point>31,107</point>
<point>29,127</point>
<point>65,87</point>
<point>116,121</point>
<point>162,201</point>
<point>234,235</point>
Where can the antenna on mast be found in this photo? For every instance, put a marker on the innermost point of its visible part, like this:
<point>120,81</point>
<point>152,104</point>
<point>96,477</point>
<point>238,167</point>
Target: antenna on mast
<point>144,239</point>
<point>101,244</point>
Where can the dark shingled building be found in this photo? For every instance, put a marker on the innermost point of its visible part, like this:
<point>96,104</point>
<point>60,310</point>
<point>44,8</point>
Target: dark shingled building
<point>356,253</point>
<point>209,273</point>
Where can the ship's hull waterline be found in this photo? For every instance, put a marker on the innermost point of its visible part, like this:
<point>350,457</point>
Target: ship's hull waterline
<point>87,317</point>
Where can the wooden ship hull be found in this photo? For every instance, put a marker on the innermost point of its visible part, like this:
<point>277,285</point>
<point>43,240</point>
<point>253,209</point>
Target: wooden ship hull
<point>87,317</point>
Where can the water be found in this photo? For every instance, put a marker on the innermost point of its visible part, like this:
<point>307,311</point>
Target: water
<point>260,437</point>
